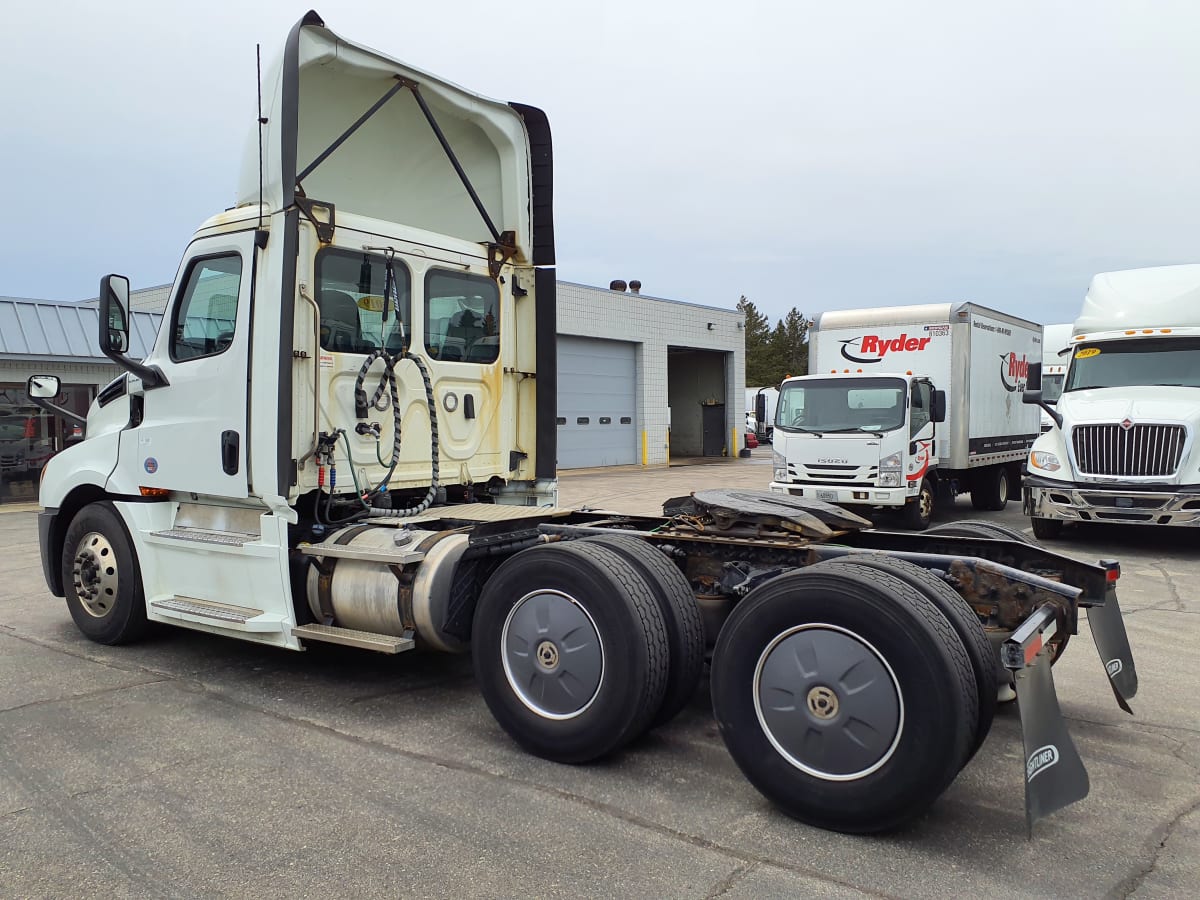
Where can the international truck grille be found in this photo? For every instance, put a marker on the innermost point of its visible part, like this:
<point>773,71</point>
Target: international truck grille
<point>1144,451</point>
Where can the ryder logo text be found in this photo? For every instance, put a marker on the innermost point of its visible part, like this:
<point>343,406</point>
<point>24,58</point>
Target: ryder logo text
<point>1014,371</point>
<point>874,348</point>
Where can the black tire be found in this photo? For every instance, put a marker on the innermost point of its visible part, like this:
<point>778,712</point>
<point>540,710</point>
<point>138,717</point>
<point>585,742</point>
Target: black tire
<point>794,638</point>
<point>980,528</point>
<point>990,488</point>
<point>681,616</point>
<point>918,512</point>
<point>1047,529</point>
<point>962,619</point>
<point>579,702</point>
<point>101,577</point>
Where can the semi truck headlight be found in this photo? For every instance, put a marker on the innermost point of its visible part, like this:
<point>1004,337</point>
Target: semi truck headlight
<point>889,479</point>
<point>1047,462</point>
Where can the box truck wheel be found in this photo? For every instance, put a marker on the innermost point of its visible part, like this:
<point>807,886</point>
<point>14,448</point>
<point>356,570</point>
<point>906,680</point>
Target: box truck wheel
<point>918,511</point>
<point>958,613</point>
<point>681,616</point>
<point>844,696</point>
<point>989,488</point>
<point>101,577</point>
<point>570,650</point>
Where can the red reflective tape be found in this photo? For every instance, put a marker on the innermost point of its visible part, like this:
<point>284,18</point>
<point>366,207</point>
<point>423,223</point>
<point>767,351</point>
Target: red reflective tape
<point>1033,649</point>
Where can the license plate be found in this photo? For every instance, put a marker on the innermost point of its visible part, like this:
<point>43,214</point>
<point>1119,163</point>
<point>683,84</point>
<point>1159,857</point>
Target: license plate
<point>831,496</point>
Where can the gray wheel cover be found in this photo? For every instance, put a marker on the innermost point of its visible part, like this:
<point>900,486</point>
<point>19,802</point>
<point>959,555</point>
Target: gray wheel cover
<point>828,702</point>
<point>553,655</point>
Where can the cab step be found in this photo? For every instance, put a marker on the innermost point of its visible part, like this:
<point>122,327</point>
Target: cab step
<point>244,618</point>
<point>348,637</point>
<point>206,536</point>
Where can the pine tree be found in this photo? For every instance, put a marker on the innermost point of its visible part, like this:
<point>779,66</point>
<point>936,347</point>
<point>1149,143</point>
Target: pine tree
<point>760,366</point>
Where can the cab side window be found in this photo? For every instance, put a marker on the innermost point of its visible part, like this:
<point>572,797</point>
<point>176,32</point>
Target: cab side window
<point>922,400</point>
<point>205,319</point>
<point>462,317</point>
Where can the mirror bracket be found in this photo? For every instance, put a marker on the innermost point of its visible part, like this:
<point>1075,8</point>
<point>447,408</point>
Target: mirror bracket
<point>114,331</point>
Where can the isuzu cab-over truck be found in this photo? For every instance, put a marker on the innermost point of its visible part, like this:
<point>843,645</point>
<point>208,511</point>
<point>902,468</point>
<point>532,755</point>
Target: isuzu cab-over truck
<point>906,404</point>
<point>1122,443</point>
<point>345,433</point>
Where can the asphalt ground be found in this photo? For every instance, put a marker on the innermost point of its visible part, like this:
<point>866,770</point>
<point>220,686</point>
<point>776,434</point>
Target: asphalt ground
<point>192,765</point>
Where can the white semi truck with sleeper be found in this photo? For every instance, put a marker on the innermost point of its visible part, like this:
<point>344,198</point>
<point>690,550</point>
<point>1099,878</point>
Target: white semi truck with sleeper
<point>345,433</point>
<point>1121,443</point>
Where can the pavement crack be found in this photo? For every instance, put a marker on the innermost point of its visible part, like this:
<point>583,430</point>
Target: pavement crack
<point>86,695</point>
<point>1171,589</point>
<point>722,887</point>
<point>1158,843</point>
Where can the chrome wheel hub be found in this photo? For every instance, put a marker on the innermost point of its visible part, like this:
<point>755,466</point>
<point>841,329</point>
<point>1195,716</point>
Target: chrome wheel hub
<point>94,574</point>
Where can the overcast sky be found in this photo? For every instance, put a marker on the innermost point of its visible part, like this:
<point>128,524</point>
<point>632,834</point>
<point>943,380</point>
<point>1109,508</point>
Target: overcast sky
<point>810,154</point>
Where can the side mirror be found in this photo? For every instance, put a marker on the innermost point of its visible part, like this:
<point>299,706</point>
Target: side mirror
<point>1033,397</point>
<point>43,387</point>
<point>114,331</point>
<point>114,314</point>
<point>937,410</point>
<point>1033,381</point>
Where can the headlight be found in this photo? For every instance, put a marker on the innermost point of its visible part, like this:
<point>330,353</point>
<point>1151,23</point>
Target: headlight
<point>779,464</point>
<point>889,479</point>
<point>1047,462</point>
<point>890,463</point>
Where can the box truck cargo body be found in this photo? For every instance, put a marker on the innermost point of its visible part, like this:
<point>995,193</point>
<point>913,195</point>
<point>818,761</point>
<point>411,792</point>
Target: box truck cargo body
<point>903,404</point>
<point>1122,446</point>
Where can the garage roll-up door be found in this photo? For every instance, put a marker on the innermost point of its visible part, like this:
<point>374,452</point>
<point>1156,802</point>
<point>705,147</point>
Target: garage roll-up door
<point>597,383</point>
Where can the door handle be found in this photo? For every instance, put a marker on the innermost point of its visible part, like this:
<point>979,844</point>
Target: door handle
<point>230,457</point>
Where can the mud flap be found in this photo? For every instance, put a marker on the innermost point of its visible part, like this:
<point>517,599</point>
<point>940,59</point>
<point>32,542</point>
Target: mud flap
<point>1054,773</point>
<point>1112,641</point>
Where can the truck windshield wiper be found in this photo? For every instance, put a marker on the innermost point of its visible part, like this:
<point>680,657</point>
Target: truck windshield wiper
<point>851,428</point>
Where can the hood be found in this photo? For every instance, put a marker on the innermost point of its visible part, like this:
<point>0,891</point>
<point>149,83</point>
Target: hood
<point>1141,404</point>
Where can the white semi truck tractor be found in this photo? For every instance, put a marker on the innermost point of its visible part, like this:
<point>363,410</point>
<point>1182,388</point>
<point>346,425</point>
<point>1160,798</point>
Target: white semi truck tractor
<point>344,432</point>
<point>905,405</point>
<point>1122,443</point>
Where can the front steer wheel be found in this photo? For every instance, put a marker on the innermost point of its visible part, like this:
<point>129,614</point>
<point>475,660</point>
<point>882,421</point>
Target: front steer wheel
<point>570,650</point>
<point>101,578</point>
<point>844,697</point>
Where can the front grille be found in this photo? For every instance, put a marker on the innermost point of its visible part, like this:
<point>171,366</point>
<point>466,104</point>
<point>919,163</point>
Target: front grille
<point>1147,451</point>
<point>811,473</point>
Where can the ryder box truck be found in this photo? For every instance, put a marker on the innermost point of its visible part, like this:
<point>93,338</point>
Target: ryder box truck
<point>906,404</point>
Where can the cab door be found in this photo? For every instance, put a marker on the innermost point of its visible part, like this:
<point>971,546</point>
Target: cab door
<point>193,432</point>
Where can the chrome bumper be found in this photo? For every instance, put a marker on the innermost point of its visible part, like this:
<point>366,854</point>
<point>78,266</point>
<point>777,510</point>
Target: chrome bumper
<point>1075,503</point>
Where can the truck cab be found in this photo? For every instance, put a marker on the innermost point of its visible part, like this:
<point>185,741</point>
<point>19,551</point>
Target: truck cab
<point>856,439</point>
<point>1121,447</point>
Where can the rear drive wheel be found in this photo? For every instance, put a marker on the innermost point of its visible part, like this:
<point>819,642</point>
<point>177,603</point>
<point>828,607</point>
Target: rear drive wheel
<point>681,616</point>
<point>989,488</point>
<point>570,650</point>
<point>919,511</point>
<point>980,528</point>
<point>962,619</point>
<point>101,577</point>
<point>844,696</point>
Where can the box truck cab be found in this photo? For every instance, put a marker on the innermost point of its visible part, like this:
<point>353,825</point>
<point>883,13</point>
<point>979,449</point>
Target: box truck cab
<point>1122,444</point>
<point>904,405</point>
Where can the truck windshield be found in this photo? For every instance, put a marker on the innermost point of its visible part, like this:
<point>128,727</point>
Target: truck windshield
<point>830,405</point>
<point>1052,387</point>
<point>1145,361</point>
